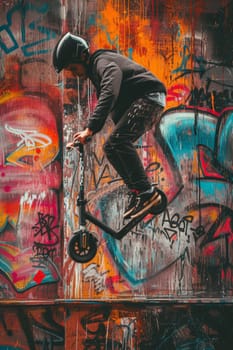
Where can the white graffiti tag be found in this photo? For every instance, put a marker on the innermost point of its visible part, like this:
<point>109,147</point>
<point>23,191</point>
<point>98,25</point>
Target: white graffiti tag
<point>30,138</point>
<point>92,274</point>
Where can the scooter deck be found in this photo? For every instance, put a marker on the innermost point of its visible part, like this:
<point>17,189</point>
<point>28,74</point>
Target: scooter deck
<point>131,223</point>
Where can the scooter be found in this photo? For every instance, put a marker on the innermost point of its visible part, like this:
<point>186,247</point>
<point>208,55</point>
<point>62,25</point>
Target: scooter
<point>82,246</point>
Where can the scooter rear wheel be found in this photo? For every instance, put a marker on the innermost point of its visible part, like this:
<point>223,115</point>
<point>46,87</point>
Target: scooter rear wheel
<point>158,209</point>
<point>82,246</point>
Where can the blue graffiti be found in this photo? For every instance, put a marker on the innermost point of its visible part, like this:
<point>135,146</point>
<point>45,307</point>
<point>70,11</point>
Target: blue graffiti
<point>185,131</point>
<point>185,58</point>
<point>185,135</point>
<point>199,62</point>
<point>92,20</point>
<point>8,40</point>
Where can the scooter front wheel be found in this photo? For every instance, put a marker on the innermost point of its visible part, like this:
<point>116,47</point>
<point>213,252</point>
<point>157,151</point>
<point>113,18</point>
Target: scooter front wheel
<point>82,246</point>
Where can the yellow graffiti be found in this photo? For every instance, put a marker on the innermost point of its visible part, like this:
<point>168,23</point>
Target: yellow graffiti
<point>31,135</point>
<point>8,95</point>
<point>9,211</point>
<point>38,146</point>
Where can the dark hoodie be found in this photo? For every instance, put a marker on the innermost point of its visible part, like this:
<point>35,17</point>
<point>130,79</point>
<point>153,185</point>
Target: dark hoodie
<point>118,82</point>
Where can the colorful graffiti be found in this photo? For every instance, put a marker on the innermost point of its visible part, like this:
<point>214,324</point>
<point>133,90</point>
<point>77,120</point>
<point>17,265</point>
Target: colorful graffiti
<point>30,167</point>
<point>183,255</point>
<point>116,326</point>
<point>32,327</point>
<point>187,249</point>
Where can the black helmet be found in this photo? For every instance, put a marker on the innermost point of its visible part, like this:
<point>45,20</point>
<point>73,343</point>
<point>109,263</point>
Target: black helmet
<point>69,49</point>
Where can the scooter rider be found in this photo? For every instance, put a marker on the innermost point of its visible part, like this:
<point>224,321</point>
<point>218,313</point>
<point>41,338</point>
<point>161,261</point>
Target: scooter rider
<point>132,96</point>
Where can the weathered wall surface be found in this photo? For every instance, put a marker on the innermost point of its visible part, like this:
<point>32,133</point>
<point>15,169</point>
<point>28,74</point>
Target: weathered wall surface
<point>133,326</point>
<point>31,220</point>
<point>184,253</point>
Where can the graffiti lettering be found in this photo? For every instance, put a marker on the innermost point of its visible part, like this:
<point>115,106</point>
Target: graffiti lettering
<point>175,222</point>
<point>44,227</point>
<point>28,153</point>
<point>43,250</point>
<point>91,274</point>
<point>212,100</point>
<point>30,138</point>
<point>172,226</point>
<point>104,172</point>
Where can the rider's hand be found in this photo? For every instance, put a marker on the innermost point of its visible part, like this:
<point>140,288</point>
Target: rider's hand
<point>81,136</point>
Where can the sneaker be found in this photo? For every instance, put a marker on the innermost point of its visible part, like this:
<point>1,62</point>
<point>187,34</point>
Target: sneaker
<point>132,200</point>
<point>145,201</point>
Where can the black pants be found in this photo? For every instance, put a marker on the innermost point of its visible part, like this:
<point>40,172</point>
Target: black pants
<point>119,148</point>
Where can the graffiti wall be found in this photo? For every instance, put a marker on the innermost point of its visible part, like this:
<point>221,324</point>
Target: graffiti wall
<point>182,255</point>
<point>187,249</point>
<point>117,326</point>
<point>31,222</point>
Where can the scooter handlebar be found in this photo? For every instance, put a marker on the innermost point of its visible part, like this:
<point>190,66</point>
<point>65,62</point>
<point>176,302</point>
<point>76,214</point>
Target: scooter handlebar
<point>77,143</point>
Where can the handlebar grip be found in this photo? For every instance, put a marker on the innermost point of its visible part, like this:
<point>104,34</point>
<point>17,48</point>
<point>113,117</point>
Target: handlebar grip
<point>77,143</point>
<point>88,139</point>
